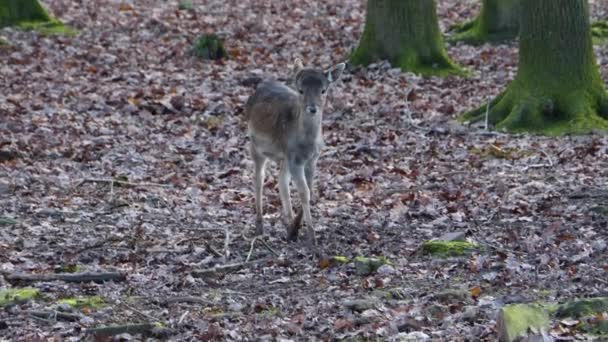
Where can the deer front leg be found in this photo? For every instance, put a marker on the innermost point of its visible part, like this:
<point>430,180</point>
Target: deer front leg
<point>309,171</point>
<point>284,178</point>
<point>260,162</point>
<point>299,178</point>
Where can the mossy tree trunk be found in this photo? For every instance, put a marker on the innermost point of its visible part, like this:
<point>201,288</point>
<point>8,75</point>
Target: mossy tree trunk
<point>13,12</point>
<point>406,33</point>
<point>498,20</point>
<point>557,88</point>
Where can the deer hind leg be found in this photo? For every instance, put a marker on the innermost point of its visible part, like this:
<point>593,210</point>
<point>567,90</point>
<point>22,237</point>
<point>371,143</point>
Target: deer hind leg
<point>260,163</point>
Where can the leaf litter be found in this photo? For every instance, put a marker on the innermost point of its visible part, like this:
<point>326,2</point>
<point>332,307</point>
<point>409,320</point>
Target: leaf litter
<point>122,152</point>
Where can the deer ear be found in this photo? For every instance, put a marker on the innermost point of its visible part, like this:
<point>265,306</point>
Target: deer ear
<point>334,73</point>
<point>297,65</point>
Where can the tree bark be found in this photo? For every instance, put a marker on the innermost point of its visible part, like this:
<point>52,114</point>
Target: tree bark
<point>497,21</point>
<point>557,88</point>
<point>13,12</point>
<point>406,33</point>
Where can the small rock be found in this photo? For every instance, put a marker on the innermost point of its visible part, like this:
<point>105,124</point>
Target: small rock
<point>235,307</point>
<point>413,336</point>
<point>360,305</point>
<point>470,314</point>
<point>386,270</point>
<point>366,266</point>
<point>4,188</point>
<point>7,155</point>
<point>451,296</point>
<point>453,236</point>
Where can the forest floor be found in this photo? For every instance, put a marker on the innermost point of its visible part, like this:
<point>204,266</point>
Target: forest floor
<point>121,152</point>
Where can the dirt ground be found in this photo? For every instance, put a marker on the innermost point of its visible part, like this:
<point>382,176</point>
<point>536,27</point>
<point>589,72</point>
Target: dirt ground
<point>121,152</point>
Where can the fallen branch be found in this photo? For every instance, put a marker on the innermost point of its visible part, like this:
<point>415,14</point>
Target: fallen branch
<point>251,248</point>
<point>115,181</point>
<point>187,299</point>
<point>55,315</point>
<point>225,268</point>
<point>67,277</point>
<point>98,244</point>
<point>269,248</point>
<point>142,328</point>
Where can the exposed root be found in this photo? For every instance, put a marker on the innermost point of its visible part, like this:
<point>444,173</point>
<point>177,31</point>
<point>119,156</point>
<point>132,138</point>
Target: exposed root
<point>518,110</point>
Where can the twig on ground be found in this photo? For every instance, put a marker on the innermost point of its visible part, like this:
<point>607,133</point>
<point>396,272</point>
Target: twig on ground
<point>212,250</point>
<point>486,126</point>
<point>140,328</point>
<point>182,317</point>
<point>97,245</point>
<point>410,119</point>
<point>226,245</point>
<point>67,277</point>
<point>142,314</point>
<point>251,248</point>
<point>270,248</point>
<point>187,299</point>
<point>55,315</point>
<point>116,181</point>
<point>225,268</point>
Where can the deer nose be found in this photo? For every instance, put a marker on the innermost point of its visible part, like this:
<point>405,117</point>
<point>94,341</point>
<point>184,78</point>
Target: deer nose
<point>311,109</point>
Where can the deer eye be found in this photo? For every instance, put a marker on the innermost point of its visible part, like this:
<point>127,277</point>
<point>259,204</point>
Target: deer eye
<point>323,91</point>
<point>301,91</point>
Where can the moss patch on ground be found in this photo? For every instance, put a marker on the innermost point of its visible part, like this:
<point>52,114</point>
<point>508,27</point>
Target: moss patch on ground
<point>9,296</point>
<point>209,46</point>
<point>47,28</point>
<point>516,320</point>
<point>366,266</point>
<point>448,248</point>
<point>584,307</point>
<point>93,302</point>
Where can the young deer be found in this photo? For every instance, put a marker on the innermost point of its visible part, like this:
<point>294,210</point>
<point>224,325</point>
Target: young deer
<point>285,126</point>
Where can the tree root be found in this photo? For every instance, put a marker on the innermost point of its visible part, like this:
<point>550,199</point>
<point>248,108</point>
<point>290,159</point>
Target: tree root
<point>519,110</point>
<point>472,33</point>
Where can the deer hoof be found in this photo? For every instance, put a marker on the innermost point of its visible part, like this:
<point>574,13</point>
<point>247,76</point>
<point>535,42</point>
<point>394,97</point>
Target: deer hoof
<point>294,227</point>
<point>259,227</point>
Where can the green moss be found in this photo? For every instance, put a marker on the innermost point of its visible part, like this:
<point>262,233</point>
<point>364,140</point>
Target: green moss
<point>16,11</point>
<point>9,296</point>
<point>497,22</point>
<point>544,110</point>
<point>3,42</point>
<point>416,45</point>
<point>7,221</point>
<point>473,33</point>
<point>448,248</point>
<point>599,32</point>
<point>599,328</point>
<point>185,5</point>
<point>516,320</point>
<point>583,307</point>
<point>558,88</point>
<point>83,302</point>
<point>51,27</point>
<point>366,266</point>
<point>209,46</point>
<point>339,259</point>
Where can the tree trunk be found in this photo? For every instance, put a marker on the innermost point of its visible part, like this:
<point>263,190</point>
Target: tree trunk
<point>497,21</point>
<point>406,33</point>
<point>13,12</point>
<point>558,88</point>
